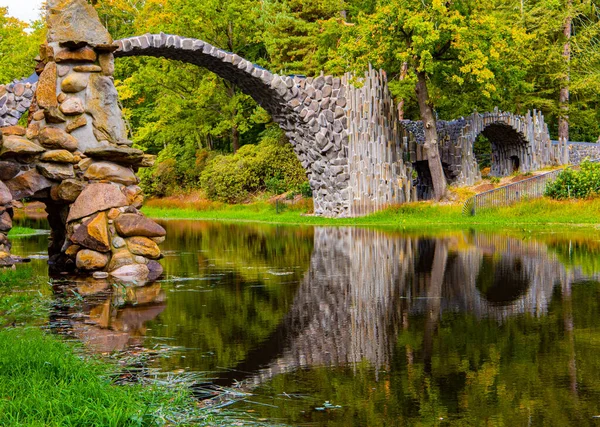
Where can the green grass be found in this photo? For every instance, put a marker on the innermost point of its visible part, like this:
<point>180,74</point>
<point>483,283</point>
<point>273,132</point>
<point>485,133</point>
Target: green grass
<point>16,232</point>
<point>538,212</point>
<point>45,381</point>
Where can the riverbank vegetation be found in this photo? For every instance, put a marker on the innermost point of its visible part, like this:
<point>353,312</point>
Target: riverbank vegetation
<point>45,381</point>
<point>538,212</point>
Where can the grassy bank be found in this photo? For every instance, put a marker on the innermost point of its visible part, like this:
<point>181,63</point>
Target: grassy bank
<point>45,381</point>
<point>538,212</point>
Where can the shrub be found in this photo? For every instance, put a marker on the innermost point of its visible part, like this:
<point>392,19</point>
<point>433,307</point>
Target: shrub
<point>271,165</point>
<point>580,184</point>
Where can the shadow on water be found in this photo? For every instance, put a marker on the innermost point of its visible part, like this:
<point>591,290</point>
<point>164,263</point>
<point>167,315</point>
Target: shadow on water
<point>347,326</point>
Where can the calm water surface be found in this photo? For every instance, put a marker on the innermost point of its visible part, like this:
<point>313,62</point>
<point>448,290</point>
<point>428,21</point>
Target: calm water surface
<point>355,327</point>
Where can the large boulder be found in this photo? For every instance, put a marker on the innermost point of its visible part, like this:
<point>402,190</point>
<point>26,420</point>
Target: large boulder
<point>93,234</point>
<point>56,171</point>
<point>57,139</point>
<point>95,198</point>
<point>8,170</point>
<point>108,171</point>
<point>5,195</point>
<point>27,184</point>
<point>91,260</point>
<point>14,146</point>
<point>84,26</point>
<point>129,225</point>
<point>143,246</point>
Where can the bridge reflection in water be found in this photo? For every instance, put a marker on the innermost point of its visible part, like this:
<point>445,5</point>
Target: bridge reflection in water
<point>362,286</point>
<point>281,308</point>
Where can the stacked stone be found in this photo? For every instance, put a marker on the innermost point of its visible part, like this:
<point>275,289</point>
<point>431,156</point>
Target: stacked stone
<point>312,111</point>
<point>577,152</point>
<point>15,99</point>
<point>75,156</point>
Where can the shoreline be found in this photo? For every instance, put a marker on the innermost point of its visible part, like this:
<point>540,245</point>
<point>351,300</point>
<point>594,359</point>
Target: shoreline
<point>424,215</point>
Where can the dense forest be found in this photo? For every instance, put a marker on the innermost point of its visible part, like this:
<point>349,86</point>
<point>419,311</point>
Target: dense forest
<point>444,58</point>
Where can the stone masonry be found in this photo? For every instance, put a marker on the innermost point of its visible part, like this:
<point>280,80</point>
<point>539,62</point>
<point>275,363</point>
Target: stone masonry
<point>75,157</point>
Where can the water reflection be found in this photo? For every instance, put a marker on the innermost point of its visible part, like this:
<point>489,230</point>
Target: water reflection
<point>106,317</point>
<point>469,326</point>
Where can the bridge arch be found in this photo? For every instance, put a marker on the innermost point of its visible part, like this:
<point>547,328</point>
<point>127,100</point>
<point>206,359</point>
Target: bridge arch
<point>312,112</point>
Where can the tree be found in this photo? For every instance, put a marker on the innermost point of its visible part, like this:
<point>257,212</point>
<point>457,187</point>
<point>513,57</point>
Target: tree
<point>17,47</point>
<point>462,38</point>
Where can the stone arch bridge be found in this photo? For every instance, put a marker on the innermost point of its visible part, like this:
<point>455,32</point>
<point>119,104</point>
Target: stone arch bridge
<point>359,158</point>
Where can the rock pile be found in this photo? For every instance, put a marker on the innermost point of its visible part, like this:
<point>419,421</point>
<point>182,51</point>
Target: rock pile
<point>15,99</point>
<point>74,155</point>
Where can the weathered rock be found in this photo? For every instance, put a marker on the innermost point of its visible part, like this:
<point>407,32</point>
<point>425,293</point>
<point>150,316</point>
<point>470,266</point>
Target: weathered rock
<point>103,106</point>
<point>70,189</point>
<point>93,234</point>
<point>38,115</point>
<point>84,54</point>
<point>116,154</point>
<point>54,138</point>
<point>76,124</point>
<point>132,273</point>
<point>110,172</point>
<point>129,225</point>
<point>54,115</point>
<point>113,213</point>
<point>120,258</point>
<point>72,250</point>
<point>155,270</point>
<point>58,156</point>
<point>27,184</point>
<point>135,196</point>
<point>95,198</point>
<point>5,195</point>
<point>75,82</point>
<point>87,68</point>
<point>83,23</point>
<point>18,146</point>
<point>107,63</point>
<point>13,130</point>
<point>33,131</point>
<point>143,246</point>
<point>8,170</point>
<point>118,242</point>
<point>56,171</point>
<point>91,260</point>
<point>46,88</point>
<point>5,222</point>
<point>72,107</point>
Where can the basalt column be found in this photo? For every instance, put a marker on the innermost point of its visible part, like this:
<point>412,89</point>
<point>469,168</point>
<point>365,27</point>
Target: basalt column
<point>83,163</point>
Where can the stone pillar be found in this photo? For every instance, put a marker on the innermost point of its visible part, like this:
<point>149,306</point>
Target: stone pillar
<point>76,158</point>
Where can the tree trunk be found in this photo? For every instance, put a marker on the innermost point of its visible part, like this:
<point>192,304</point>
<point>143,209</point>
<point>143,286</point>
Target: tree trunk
<point>563,120</point>
<point>434,300</point>
<point>403,73</point>
<point>431,138</point>
<point>235,138</point>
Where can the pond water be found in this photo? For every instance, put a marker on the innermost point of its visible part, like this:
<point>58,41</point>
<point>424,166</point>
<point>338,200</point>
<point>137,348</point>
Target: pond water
<point>360,327</point>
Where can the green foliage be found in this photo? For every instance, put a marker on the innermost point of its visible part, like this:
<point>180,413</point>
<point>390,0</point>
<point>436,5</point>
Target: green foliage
<point>17,47</point>
<point>576,184</point>
<point>270,165</point>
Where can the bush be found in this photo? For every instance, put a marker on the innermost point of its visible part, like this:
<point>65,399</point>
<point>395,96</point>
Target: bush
<point>271,165</point>
<point>580,184</point>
